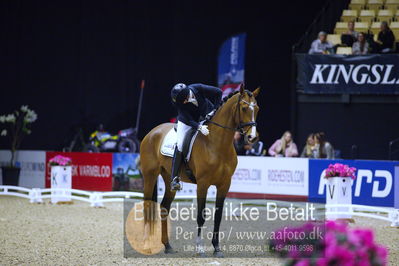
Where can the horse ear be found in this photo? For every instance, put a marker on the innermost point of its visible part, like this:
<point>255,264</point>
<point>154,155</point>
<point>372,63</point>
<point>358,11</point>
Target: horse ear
<point>256,92</point>
<point>242,89</point>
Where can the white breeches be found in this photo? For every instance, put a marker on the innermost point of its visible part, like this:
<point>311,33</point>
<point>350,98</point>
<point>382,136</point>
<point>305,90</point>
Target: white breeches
<point>182,130</point>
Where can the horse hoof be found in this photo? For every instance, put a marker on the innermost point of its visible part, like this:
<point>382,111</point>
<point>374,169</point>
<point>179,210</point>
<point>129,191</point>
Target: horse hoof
<point>170,251</point>
<point>201,254</point>
<point>218,254</point>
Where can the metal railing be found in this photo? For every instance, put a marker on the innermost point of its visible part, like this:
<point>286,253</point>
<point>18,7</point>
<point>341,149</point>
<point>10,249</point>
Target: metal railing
<point>324,21</point>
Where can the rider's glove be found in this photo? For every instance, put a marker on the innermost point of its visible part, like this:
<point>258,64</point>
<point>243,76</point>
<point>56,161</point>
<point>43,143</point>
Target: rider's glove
<point>203,129</point>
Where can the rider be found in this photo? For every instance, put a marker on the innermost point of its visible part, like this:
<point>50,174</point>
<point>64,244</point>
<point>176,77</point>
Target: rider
<point>193,103</point>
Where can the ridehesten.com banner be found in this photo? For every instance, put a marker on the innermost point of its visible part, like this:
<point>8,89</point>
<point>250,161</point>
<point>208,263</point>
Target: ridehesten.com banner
<point>335,74</point>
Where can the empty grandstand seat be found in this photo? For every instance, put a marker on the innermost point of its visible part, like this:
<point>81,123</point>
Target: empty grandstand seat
<point>395,29</point>
<point>357,5</point>
<point>385,15</point>
<point>375,28</point>
<point>341,27</point>
<point>362,27</point>
<point>344,50</point>
<point>349,15</point>
<point>375,5</point>
<point>334,38</point>
<point>367,15</point>
<point>392,5</point>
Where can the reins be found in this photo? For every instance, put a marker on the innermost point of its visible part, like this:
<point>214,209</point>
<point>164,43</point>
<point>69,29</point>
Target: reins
<point>240,126</point>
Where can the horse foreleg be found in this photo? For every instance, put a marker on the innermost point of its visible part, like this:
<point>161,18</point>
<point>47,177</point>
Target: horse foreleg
<point>202,191</point>
<point>220,197</point>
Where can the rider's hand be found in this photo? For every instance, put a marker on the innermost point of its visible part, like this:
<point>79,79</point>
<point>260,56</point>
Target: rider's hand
<point>204,129</point>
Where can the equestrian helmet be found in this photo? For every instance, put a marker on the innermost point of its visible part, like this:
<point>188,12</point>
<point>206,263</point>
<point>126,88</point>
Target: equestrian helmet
<point>179,92</point>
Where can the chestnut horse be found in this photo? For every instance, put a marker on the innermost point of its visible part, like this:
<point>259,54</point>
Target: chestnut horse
<point>213,161</point>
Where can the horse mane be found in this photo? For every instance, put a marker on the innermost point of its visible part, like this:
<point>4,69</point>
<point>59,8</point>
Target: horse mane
<point>231,94</point>
<point>226,98</point>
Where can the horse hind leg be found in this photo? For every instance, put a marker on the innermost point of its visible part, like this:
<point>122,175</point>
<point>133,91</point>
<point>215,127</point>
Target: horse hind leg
<point>165,205</point>
<point>150,176</point>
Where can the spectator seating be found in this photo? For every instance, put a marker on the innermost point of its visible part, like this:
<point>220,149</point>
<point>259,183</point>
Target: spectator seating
<point>392,5</point>
<point>367,16</point>
<point>344,50</point>
<point>385,15</point>
<point>395,28</point>
<point>375,28</point>
<point>334,38</point>
<point>374,5</point>
<point>341,27</point>
<point>357,5</point>
<point>362,26</point>
<point>349,15</point>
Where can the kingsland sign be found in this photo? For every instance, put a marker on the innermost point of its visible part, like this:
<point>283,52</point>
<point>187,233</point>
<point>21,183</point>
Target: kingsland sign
<point>357,74</point>
<point>348,74</point>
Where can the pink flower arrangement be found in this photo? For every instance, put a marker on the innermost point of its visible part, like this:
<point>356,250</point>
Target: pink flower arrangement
<point>337,245</point>
<point>340,170</point>
<point>60,161</point>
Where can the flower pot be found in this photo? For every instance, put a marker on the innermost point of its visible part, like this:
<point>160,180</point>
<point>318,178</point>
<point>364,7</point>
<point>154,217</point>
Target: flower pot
<point>339,191</point>
<point>10,175</point>
<point>61,178</point>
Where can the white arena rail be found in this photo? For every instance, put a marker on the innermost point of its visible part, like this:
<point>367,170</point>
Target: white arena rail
<point>97,199</point>
<point>391,214</point>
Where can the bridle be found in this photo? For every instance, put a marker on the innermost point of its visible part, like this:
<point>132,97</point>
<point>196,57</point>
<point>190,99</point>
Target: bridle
<point>241,126</point>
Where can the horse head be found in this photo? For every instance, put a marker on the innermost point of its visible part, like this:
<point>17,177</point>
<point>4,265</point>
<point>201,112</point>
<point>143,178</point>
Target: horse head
<point>246,111</point>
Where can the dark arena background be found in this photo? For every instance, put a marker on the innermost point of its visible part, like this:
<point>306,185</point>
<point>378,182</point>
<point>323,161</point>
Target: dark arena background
<point>80,63</point>
<point>92,67</point>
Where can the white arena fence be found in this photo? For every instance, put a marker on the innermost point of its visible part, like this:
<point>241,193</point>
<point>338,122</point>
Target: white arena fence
<point>97,199</point>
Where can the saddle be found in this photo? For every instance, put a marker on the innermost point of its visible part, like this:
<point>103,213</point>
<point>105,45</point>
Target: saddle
<point>170,140</point>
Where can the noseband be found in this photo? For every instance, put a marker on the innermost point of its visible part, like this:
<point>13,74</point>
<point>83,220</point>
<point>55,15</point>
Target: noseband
<point>241,126</point>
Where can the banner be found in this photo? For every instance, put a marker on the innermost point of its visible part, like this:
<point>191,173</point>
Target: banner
<point>125,172</point>
<point>32,165</point>
<point>90,171</point>
<point>337,74</point>
<point>231,63</point>
<point>373,186</point>
<point>268,177</point>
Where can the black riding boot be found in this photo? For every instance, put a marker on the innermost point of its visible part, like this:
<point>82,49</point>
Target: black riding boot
<point>177,159</point>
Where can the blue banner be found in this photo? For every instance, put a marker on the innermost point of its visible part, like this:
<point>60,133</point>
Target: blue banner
<point>337,74</point>
<point>374,184</point>
<point>231,63</point>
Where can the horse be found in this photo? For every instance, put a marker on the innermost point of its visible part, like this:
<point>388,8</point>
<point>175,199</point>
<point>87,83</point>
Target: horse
<point>213,162</point>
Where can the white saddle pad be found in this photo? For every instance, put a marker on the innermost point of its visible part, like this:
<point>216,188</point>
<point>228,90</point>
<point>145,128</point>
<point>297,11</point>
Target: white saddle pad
<point>169,144</point>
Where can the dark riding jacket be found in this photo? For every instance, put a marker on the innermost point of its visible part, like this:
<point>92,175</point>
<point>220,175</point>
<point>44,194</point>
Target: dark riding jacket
<point>208,98</point>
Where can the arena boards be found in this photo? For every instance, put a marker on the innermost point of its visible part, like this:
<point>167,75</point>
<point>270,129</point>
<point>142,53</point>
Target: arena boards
<point>294,179</point>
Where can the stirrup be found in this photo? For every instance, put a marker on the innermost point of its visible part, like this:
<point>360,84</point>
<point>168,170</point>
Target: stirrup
<point>175,184</point>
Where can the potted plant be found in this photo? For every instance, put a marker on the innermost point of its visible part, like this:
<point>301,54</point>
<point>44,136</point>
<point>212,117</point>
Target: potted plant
<point>61,178</point>
<point>339,189</point>
<point>16,126</point>
<point>334,243</point>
